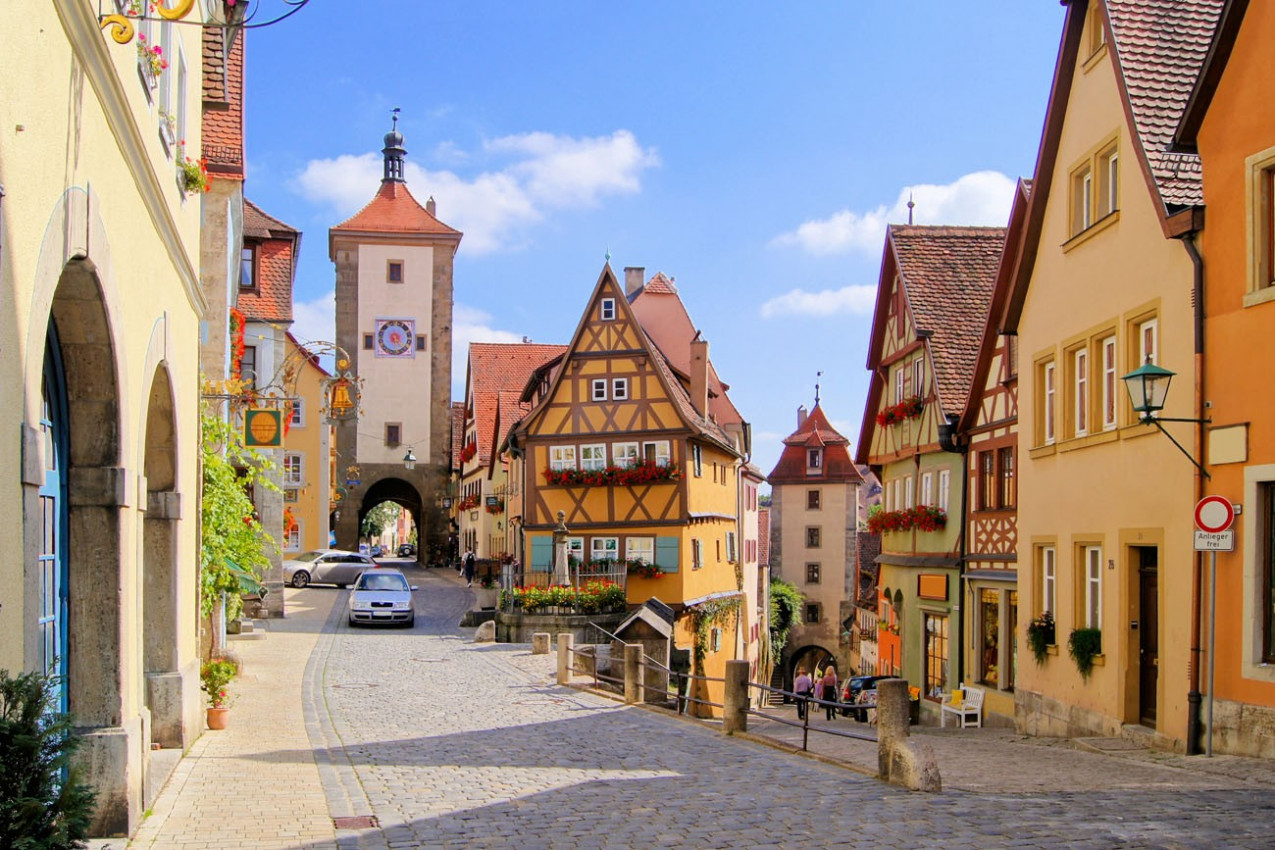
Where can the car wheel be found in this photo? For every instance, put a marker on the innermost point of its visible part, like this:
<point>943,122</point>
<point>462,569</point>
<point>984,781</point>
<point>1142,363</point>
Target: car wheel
<point>300,578</point>
<point>353,623</point>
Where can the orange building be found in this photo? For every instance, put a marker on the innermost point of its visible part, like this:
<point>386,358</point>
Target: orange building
<point>1230,122</point>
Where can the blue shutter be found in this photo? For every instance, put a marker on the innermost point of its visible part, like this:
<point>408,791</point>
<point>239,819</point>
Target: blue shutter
<point>542,553</point>
<point>667,552</point>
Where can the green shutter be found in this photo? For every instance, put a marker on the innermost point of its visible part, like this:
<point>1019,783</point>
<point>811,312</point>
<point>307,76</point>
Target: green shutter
<point>542,553</point>
<point>667,550</point>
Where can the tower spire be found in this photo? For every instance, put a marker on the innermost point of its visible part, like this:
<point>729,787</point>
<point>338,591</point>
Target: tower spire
<point>394,152</point>
<point>818,375</point>
<point>911,206</point>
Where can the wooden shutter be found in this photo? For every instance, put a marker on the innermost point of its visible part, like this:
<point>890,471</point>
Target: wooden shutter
<point>542,553</point>
<point>667,552</point>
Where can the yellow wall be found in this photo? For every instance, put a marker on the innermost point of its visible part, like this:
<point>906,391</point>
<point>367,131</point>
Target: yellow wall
<point>1121,488</point>
<point>312,439</point>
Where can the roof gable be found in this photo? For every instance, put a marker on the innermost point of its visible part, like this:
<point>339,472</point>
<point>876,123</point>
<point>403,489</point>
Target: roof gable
<point>393,210</point>
<point>815,432</point>
<point>497,372</point>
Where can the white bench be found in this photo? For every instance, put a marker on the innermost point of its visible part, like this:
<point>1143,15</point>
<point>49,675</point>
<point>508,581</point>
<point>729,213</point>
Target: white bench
<point>969,709</point>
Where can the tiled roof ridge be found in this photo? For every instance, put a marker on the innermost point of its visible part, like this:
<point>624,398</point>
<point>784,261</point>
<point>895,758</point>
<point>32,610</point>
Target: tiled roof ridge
<point>275,224</point>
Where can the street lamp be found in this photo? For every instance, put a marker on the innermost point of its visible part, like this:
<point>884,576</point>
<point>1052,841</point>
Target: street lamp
<point>1148,387</point>
<point>409,460</point>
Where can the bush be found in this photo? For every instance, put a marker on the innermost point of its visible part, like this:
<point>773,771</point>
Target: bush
<point>214,676</point>
<point>43,803</point>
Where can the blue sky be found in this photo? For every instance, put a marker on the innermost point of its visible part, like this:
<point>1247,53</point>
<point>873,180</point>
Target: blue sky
<point>752,151</point>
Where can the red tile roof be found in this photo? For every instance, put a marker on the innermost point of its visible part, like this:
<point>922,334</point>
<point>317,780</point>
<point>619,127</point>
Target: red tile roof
<point>659,284</point>
<point>1160,48</point>
<point>815,431</point>
<point>948,274</point>
<point>277,247</point>
<point>497,373</point>
<point>221,128</point>
<point>394,210</point>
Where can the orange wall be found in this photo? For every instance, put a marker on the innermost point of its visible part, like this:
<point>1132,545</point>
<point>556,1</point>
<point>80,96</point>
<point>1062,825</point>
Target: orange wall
<point>1239,346</point>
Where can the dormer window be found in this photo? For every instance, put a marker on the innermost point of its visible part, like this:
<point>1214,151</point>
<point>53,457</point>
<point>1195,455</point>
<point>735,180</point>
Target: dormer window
<point>608,309</point>
<point>814,460</point>
<point>248,266</point>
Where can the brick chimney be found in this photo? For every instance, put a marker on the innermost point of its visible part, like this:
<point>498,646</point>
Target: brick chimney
<point>634,279</point>
<point>699,375</point>
<point>801,416</point>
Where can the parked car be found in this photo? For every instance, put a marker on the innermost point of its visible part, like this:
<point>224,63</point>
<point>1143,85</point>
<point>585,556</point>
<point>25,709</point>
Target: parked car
<point>382,596</point>
<point>377,551</point>
<point>326,566</point>
<point>855,686</point>
<point>406,550</point>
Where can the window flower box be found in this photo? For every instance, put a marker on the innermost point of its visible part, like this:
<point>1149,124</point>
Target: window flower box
<point>921,518</point>
<point>614,476</point>
<point>468,503</point>
<point>909,408</point>
<point>150,60</point>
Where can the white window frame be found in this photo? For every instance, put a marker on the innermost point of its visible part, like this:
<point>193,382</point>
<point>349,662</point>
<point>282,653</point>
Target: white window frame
<point>575,549</point>
<point>1049,375</point>
<point>945,486</point>
<point>697,553</point>
<point>662,456</point>
<point>899,375</point>
<point>607,312</point>
<point>1049,580</point>
<point>1080,386</point>
<point>297,416</point>
<point>918,377</point>
<point>1113,182</point>
<point>639,549</point>
<point>732,554</point>
<point>1093,587</point>
<point>814,459</point>
<point>598,391</point>
<point>1110,382</point>
<point>293,469</point>
<point>1148,347</point>
<point>562,458</point>
<point>292,539</point>
<point>619,389</point>
<point>697,460</point>
<point>625,455</point>
<point>1086,202</point>
<point>608,547</point>
<point>908,492</point>
<point>593,457</point>
<point>927,488</point>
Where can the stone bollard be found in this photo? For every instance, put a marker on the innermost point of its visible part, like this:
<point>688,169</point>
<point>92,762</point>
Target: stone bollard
<point>632,672</point>
<point>735,700</point>
<point>486,632</point>
<point>540,643</point>
<point>900,761</point>
<point>566,642</point>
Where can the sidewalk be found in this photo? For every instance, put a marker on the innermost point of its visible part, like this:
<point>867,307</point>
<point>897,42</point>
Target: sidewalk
<point>224,793</point>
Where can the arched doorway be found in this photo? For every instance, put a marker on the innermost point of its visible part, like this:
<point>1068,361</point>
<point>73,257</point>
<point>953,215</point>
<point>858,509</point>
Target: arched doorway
<point>401,493</point>
<point>52,615</point>
<point>159,600</point>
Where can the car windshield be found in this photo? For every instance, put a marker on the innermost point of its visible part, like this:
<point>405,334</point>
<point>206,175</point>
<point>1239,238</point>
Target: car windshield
<point>308,557</point>
<point>381,581</point>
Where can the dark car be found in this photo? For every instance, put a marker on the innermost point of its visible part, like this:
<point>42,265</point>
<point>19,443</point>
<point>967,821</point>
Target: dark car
<point>377,551</point>
<point>407,550</point>
<point>855,686</point>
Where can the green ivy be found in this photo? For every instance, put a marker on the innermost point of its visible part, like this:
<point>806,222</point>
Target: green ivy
<point>1083,645</point>
<point>785,613</point>
<point>230,530</point>
<point>714,612</point>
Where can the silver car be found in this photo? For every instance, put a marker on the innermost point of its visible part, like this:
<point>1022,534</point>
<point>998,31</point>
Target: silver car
<point>383,596</point>
<point>326,566</point>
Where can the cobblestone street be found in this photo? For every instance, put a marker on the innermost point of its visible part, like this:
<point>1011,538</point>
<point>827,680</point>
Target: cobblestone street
<point>447,743</point>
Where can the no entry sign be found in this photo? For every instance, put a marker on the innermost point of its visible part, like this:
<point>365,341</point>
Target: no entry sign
<point>1214,514</point>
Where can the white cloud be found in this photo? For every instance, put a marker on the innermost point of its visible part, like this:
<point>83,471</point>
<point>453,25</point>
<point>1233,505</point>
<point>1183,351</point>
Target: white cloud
<point>495,208</point>
<point>854,300</point>
<point>315,320</point>
<point>980,198</point>
<point>469,324</point>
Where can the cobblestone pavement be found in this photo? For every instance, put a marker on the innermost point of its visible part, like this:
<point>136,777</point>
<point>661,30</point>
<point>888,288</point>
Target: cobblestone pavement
<point>448,743</point>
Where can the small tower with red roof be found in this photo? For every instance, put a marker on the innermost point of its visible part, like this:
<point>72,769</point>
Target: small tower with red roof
<point>393,318</point>
<point>814,520</point>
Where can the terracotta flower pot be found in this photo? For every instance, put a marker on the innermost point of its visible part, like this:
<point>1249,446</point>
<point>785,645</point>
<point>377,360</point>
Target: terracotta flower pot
<point>218,718</point>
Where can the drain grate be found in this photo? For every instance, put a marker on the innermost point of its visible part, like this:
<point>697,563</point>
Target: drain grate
<point>356,822</point>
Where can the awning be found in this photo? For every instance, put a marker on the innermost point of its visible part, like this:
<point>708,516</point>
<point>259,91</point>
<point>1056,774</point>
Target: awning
<point>249,585</point>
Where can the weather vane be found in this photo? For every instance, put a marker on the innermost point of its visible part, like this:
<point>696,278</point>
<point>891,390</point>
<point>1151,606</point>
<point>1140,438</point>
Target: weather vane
<point>395,112</point>
<point>818,375</point>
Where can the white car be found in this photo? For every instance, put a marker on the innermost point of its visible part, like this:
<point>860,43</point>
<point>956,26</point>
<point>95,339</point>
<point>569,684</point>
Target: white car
<point>382,596</point>
<point>326,566</point>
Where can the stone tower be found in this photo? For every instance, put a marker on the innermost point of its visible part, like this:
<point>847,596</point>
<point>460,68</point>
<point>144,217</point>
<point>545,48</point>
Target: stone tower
<point>394,319</point>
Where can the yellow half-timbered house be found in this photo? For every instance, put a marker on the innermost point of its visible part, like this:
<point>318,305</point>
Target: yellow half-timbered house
<point>932,301</point>
<point>630,452</point>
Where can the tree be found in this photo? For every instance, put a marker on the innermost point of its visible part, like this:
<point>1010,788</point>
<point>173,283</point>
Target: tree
<point>379,518</point>
<point>785,613</point>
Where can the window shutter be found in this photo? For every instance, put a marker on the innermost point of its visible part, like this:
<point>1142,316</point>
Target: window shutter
<point>667,551</point>
<point>542,553</point>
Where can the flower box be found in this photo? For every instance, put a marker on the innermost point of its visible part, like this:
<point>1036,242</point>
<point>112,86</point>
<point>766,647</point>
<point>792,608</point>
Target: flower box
<point>909,408</point>
<point>614,476</point>
<point>921,518</point>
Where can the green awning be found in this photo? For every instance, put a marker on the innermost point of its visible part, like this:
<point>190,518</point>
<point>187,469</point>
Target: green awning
<point>249,585</point>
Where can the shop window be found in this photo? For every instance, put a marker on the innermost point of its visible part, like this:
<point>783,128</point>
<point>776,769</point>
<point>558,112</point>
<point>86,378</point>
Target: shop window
<point>812,573</point>
<point>812,500</point>
<point>989,606</point>
<point>935,654</point>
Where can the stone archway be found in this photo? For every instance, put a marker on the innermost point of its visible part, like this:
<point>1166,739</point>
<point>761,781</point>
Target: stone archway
<point>401,493</point>
<point>97,489</point>
<point>159,601</point>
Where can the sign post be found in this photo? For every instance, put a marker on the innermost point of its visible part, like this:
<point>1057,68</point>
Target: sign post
<point>1214,516</point>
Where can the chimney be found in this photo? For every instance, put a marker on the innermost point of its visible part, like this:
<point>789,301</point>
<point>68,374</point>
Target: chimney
<point>634,279</point>
<point>801,416</point>
<point>429,205</point>
<point>699,375</point>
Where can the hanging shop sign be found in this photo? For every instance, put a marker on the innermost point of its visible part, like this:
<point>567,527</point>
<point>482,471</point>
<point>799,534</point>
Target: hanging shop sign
<point>263,428</point>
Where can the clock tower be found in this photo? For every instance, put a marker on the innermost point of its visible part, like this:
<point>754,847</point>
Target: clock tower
<point>394,320</point>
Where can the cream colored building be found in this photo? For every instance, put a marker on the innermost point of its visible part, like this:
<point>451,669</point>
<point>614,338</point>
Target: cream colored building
<point>100,309</point>
<point>307,448</point>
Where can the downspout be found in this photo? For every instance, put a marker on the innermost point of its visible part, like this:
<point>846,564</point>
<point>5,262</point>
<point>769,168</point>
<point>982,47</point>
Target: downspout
<point>950,442</point>
<point>1193,698</point>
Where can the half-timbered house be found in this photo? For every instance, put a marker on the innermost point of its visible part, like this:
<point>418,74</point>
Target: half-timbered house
<point>932,300</point>
<point>630,452</point>
<point>988,433</point>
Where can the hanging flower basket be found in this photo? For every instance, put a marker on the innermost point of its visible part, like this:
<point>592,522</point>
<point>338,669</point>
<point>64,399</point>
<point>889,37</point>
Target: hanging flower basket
<point>496,507</point>
<point>194,176</point>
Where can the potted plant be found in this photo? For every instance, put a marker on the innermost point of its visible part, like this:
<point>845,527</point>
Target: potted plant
<point>1040,636</point>
<point>214,676</point>
<point>1084,645</point>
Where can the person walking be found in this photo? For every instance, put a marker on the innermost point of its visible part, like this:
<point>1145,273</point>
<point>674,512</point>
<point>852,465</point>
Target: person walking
<point>830,690</point>
<point>471,568</point>
<point>801,687</point>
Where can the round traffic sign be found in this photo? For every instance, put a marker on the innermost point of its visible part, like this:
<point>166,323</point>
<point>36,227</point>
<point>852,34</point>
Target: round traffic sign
<point>1214,514</point>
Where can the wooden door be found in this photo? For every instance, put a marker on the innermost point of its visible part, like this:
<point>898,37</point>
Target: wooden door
<point>1148,633</point>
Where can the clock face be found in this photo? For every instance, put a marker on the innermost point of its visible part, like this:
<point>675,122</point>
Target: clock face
<point>395,337</point>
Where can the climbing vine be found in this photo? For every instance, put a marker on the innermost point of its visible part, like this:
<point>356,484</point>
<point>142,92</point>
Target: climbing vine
<point>785,613</point>
<point>714,612</point>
